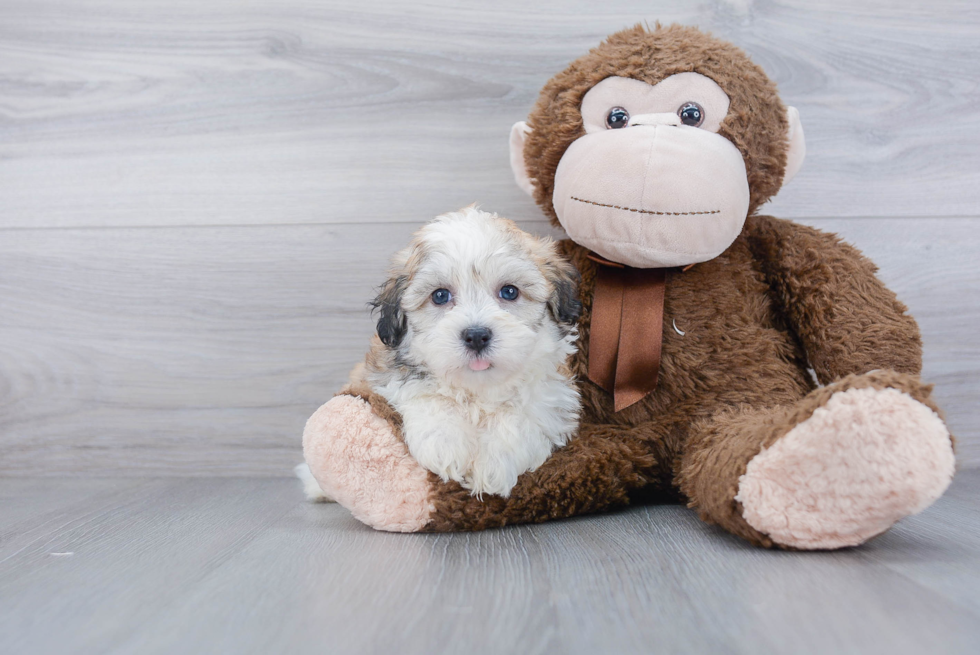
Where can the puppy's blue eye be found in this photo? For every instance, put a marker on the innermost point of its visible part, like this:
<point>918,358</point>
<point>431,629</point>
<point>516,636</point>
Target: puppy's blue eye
<point>509,292</point>
<point>441,296</point>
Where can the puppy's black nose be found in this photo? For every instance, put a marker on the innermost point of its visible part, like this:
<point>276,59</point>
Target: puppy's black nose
<point>477,338</point>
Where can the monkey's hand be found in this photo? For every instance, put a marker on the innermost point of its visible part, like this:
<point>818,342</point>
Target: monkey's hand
<point>354,450</point>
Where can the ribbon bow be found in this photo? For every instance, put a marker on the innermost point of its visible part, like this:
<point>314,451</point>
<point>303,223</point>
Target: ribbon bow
<point>626,331</point>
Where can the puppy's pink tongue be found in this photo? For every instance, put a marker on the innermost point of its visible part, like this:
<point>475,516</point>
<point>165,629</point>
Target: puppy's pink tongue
<point>479,364</point>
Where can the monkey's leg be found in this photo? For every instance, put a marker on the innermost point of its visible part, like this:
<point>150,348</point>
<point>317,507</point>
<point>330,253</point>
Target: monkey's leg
<point>354,449</point>
<point>833,470</point>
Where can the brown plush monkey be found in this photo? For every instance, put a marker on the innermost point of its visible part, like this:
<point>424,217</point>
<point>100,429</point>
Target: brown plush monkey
<point>700,321</point>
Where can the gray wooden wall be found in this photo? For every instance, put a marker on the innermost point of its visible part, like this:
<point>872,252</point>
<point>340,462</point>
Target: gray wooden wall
<point>197,197</point>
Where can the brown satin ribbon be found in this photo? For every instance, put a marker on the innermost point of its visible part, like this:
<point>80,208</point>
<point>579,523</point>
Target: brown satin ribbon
<point>626,330</point>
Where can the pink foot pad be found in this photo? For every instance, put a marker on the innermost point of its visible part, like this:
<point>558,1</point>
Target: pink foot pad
<point>861,462</point>
<point>361,464</point>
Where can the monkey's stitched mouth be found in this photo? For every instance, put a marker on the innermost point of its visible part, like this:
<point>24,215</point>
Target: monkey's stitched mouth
<point>643,211</point>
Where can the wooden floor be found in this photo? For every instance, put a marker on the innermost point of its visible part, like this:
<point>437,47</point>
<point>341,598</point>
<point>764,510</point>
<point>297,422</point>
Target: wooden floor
<point>247,566</point>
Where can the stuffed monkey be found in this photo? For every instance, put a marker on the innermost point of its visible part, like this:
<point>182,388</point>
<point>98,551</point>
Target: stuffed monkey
<point>702,321</point>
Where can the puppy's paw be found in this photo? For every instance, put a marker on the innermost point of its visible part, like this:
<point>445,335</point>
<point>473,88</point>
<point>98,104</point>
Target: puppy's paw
<point>440,443</point>
<point>441,460</point>
<point>502,461</point>
<point>358,461</point>
<point>495,476</point>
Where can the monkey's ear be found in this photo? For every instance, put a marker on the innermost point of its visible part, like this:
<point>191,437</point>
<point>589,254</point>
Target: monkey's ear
<point>564,304</point>
<point>518,135</point>
<point>797,145</point>
<point>392,324</point>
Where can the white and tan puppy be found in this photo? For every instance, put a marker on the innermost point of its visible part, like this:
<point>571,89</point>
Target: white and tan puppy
<point>476,326</point>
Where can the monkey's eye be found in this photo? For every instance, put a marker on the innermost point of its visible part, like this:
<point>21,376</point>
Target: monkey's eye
<point>509,292</point>
<point>441,296</point>
<point>617,118</point>
<point>691,114</point>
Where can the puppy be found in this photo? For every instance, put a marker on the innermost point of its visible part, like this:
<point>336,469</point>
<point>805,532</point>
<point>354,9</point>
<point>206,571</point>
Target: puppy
<point>476,326</point>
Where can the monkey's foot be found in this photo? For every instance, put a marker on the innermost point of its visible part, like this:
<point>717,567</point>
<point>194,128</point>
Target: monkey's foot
<point>359,462</point>
<point>864,460</point>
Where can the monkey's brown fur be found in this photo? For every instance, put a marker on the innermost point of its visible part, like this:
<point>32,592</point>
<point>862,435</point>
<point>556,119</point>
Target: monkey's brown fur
<point>782,298</point>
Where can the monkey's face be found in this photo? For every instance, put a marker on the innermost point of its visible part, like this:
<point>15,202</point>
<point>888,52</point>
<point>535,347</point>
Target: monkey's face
<point>651,183</point>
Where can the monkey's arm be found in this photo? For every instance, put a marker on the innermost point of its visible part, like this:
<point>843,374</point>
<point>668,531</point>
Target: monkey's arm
<point>846,319</point>
<point>595,471</point>
<point>354,449</point>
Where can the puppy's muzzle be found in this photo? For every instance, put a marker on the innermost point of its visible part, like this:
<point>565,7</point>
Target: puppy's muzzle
<point>477,338</point>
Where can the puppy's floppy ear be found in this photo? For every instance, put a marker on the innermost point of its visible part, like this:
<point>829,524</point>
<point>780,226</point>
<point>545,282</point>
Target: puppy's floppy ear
<point>564,304</point>
<point>392,323</point>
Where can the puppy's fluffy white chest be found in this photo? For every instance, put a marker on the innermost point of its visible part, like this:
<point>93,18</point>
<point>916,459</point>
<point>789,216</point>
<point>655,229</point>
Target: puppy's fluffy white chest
<point>485,441</point>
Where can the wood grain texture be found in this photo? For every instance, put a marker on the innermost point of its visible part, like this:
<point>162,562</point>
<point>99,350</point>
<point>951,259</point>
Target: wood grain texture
<point>222,112</point>
<point>179,351</point>
<point>246,566</point>
<point>951,536</point>
<point>132,553</point>
<point>198,198</point>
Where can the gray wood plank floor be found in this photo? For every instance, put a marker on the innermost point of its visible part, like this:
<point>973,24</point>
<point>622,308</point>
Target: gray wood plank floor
<point>197,198</point>
<point>247,566</point>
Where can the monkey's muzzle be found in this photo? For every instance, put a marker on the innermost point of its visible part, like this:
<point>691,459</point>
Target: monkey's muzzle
<point>652,196</point>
